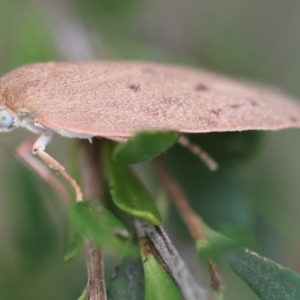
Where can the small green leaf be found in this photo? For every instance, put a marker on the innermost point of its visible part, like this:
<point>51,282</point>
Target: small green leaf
<point>144,146</point>
<point>128,193</point>
<point>108,217</point>
<point>97,223</point>
<point>74,244</point>
<point>128,280</point>
<point>158,283</point>
<point>266,278</point>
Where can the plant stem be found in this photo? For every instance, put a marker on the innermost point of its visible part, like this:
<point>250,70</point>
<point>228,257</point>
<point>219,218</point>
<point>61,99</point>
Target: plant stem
<point>92,175</point>
<point>200,153</point>
<point>92,179</point>
<point>190,218</point>
<point>95,267</point>
<point>190,288</point>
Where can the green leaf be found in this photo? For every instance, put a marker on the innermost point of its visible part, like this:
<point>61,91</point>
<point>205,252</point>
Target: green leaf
<point>144,146</point>
<point>128,280</point>
<point>158,283</point>
<point>266,278</point>
<point>94,221</point>
<point>128,193</point>
<point>74,244</point>
<point>112,222</point>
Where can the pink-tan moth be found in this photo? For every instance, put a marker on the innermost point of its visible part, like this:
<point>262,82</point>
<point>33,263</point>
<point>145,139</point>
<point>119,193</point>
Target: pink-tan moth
<point>115,100</point>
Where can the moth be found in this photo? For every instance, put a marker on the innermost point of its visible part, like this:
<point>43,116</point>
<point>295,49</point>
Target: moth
<point>115,100</point>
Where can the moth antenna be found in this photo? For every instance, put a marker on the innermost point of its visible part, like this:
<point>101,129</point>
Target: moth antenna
<point>195,149</point>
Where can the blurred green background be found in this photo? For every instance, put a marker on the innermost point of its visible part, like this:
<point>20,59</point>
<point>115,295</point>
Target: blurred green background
<point>255,195</point>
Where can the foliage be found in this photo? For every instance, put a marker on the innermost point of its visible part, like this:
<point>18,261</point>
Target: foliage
<point>251,202</point>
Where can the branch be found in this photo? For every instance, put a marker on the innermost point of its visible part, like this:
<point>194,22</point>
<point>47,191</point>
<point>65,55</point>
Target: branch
<point>92,176</point>
<point>95,267</point>
<point>190,289</point>
<point>190,218</point>
<point>92,179</point>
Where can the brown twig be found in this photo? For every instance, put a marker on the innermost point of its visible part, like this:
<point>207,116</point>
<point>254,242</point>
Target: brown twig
<point>92,176</point>
<point>216,279</point>
<point>96,284</point>
<point>190,218</point>
<point>92,179</point>
<point>190,288</point>
<point>199,152</point>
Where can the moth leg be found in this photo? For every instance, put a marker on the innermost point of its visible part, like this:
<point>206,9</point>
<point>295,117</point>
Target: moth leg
<point>196,150</point>
<point>24,153</point>
<point>39,149</point>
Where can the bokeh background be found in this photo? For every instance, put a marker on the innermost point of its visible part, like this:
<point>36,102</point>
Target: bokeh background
<point>255,197</point>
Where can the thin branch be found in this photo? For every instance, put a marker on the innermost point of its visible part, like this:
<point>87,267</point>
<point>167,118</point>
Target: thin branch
<point>92,179</point>
<point>216,279</point>
<point>190,218</point>
<point>92,176</point>
<point>96,284</point>
<point>199,152</point>
<point>190,289</point>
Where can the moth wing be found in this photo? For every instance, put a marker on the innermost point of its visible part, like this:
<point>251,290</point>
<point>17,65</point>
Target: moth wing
<point>121,98</point>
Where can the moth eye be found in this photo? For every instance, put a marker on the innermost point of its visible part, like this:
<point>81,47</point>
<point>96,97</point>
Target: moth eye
<point>6,119</point>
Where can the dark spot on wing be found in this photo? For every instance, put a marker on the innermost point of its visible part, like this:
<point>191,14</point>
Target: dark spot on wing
<point>201,87</point>
<point>172,101</point>
<point>153,112</point>
<point>208,122</point>
<point>134,87</point>
<point>235,106</point>
<point>252,102</point>
<point>293,119</point>
<point>216,112</point>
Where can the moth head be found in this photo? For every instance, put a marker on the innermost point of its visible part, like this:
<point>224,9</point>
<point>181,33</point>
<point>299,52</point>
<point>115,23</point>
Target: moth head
<point>7,120</point>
